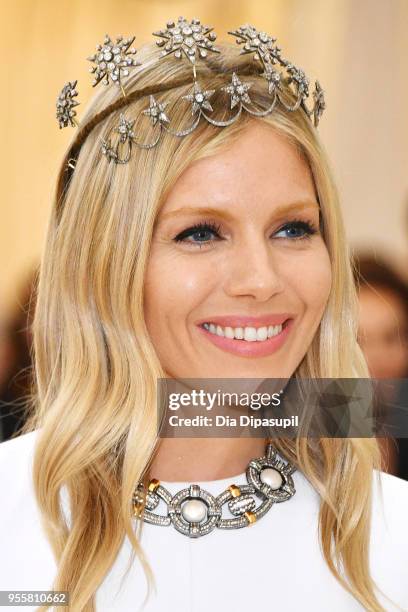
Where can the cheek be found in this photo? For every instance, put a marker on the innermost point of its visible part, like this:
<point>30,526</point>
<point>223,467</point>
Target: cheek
<point>310,278</point>
<point>174,286</point>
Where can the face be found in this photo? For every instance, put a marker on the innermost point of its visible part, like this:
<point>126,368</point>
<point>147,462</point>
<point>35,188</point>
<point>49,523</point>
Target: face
<point>383,332</point>
<point>239,274</point>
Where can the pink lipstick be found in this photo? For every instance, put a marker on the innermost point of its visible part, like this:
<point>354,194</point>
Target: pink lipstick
<point>249,347</point>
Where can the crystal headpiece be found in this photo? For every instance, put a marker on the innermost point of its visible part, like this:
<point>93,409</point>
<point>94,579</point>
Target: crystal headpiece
<point>191,41</point>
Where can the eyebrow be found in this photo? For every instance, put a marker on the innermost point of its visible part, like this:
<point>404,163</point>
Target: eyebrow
<point>223,214</point>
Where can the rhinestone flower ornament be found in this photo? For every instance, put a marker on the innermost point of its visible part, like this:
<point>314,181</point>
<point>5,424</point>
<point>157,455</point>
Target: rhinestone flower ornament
<point>189,38</point>
<point>193,42</point>
<point>66,105</point>
<point>259,43</point>
<point>320,103</point>
<point>113,60</point>
<point>298,76</point>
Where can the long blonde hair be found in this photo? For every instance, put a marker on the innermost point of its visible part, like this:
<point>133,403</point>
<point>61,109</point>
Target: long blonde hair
<point>94,398</point>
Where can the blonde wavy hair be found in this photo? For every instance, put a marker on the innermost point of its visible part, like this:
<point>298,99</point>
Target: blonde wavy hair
<point>95,368</point>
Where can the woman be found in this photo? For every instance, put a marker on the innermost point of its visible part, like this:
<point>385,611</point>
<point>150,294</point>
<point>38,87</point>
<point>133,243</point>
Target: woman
<point>237,229</point>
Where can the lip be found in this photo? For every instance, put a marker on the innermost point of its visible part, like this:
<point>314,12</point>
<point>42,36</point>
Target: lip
<point>249,349</point>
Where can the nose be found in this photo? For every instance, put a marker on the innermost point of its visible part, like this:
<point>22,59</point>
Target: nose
<point>253,270</point>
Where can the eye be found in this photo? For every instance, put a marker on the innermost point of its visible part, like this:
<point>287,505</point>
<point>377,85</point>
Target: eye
<point>204,232</point>
<point>200,233</point>
<point>296,230</point>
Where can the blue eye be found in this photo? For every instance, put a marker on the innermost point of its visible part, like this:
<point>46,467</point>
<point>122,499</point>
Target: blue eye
<point>202,231</point>
<point>296,230</point>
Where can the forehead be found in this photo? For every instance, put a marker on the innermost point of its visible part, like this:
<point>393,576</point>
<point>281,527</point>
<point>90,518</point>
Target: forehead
<point>258,166</point>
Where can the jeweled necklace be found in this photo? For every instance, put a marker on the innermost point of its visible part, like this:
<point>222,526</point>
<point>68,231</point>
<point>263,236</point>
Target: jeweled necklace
<point>194,512</point>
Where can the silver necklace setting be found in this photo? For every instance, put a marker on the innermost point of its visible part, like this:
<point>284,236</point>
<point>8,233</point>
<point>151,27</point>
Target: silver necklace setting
<point>195,512</point>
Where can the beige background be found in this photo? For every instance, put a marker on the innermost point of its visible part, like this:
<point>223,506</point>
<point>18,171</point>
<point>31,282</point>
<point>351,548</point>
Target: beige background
<point>358,49</point>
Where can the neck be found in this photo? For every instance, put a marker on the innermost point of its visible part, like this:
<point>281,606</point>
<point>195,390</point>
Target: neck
<point>203,459</point>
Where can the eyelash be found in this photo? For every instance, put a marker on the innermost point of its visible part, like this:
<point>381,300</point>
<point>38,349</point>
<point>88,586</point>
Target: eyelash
<point>204,226</point>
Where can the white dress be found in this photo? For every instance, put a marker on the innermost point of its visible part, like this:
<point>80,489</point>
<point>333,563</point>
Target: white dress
<point>274,564</point>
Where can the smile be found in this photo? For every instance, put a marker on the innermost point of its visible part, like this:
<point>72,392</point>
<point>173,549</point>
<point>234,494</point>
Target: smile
<point>250,340</point>
<point>247,334</point>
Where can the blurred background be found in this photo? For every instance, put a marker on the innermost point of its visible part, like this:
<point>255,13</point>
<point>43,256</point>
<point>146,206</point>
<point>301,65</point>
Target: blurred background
<point>357,49</point>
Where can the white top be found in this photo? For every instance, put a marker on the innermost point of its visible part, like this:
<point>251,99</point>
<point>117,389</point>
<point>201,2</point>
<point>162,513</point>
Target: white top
<point>274,564</point>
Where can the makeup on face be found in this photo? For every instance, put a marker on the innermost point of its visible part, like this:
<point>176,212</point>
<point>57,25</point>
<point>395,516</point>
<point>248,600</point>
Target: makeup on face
<point>248,336</point>
<point>239,273</point>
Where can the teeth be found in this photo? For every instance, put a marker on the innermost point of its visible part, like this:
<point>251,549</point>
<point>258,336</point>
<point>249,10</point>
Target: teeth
<point>229,332</point>
<point>238,333</point>
<point>220,331</point>
<point>274,330</point>
<point>248,334</point>
<point>262,333</point>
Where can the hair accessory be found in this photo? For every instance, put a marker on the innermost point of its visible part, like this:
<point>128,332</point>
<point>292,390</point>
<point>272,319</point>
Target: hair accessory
<point>192,41</point>
<point>156,112</point>
<point>66,105</point>
<point>112,61</point>
<point>194,512</point>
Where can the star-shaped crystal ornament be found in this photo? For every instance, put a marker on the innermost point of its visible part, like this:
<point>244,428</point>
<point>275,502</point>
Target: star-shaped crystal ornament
<point>113,60</point>
<point>319,102</point>
<point>298,76</point>
<point>125,129</point>
<point>237,90</point>
<point>156,111</point>
<point>106,149</point>
<point>257,42</point>
<point>188,38</point>
<point>66,105</point>
<point>273,77</point>
<point>199,99</point>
